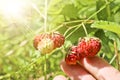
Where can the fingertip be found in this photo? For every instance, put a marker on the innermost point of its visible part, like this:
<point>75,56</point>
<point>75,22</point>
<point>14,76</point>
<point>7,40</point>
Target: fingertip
<point>94,62</point>
<point>75,72</point>
<point>60,77</point>
<point>100,68</point>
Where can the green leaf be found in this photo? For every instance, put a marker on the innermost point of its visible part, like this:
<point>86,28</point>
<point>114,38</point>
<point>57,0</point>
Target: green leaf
<point>70,11</point>
<point>105,41</point>
<point>113,37</point>
<point>102,15</point>
<point>105,25</point>
<point>54,2</point>
<point>85,2</point>
<point>116,17</point>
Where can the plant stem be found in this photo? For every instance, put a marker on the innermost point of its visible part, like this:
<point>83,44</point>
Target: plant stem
<point>104,6</point>
<point>45,30</point>
<point>45,68</point>
<point>117,57</point>
<point>5,76</point>
<point>86,21</point>
<point>83,21</point>
<point>45,17</point>
<point>72,22</point>
<point>70,29</point>
<point>85,29</point>
<point>113,58</point>
<point>108,9</point>
<point>77,27</point>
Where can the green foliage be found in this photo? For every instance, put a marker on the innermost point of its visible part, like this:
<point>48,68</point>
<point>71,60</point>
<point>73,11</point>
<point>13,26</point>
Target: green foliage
<point>70,11</point>
<point>20,61</point>
<point>106,25</point>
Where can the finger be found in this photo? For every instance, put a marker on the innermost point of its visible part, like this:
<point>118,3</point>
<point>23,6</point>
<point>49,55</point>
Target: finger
<point>60,77</point>
<point>76,72</point>
<point>100,68</point>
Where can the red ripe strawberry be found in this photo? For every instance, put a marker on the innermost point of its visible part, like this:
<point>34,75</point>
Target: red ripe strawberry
<point>88,47</point>
<point>47,42</point>
<point>71,59</point>
<point>58,39</point>
<point>73,56</point>
<point>73,49</point>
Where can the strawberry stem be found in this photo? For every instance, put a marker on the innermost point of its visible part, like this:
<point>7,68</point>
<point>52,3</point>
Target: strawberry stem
<point>116,53</point>
<point>85,29</point>
<point>45,68</point>
<point>45,17</point>
<point>45,30</point>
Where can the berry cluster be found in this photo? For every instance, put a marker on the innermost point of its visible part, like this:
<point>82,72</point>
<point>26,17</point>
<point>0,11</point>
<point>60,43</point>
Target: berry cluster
<point>87,47</point>
<point>47,42</point>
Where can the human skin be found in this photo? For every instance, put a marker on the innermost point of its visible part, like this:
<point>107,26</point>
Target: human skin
<point>92,68</point>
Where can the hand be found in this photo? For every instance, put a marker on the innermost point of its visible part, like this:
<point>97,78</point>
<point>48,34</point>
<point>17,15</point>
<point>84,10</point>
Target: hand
<point>93,68</point>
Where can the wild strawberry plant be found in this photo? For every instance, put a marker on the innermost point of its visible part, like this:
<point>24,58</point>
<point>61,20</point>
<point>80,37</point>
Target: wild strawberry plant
<point>72,19</point>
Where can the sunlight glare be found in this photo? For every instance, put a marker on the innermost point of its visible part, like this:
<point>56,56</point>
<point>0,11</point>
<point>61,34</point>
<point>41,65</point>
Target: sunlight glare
<point>11,8</point>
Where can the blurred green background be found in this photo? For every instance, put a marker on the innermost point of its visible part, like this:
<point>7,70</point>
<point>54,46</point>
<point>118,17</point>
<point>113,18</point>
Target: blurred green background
<point>22,20</point>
